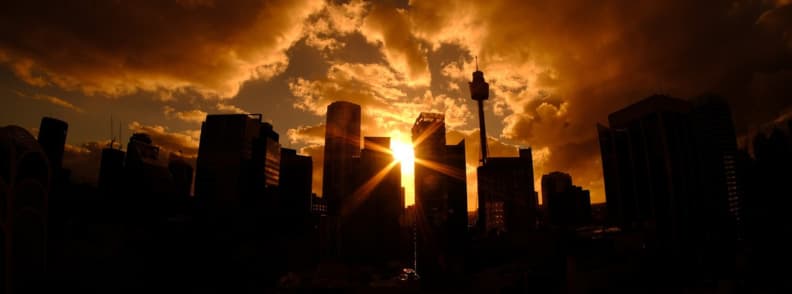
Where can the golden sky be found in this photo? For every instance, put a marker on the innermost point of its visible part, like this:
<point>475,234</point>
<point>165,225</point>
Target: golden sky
<point>556,68</point>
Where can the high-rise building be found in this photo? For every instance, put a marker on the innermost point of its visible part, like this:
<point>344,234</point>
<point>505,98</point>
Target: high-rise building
<point>565,205</point>
<point>456,180</point>
<point>507,197</point>
<point>342,144</point>
<point>25,177</point>
<point>141,151</point>
<point>267,154</point>
<point>111,170</point>
<point>649,176</point>
<point>457,226</point>
<point>341,160</point>
<point>718,202</point>
<point>52,138</point>
<point>182,173</point>
<point>296,176</point>
<point>431,193</point>
<point>238,160</point>
<point>371,225</point>
<point>670,168</point>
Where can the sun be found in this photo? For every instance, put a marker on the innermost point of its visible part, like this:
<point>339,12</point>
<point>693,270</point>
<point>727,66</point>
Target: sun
<point>403,153</point>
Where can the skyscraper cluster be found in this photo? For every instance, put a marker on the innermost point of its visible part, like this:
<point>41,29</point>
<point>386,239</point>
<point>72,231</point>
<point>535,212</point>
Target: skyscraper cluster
<point>682,200</point>
<point>363,192</point>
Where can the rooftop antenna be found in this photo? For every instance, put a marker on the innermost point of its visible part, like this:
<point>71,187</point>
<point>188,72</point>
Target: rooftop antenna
<point>120,136</point>
<point>476,57</point>
<point>112,139</point>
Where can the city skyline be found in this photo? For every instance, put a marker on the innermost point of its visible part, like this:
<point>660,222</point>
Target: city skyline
<point>394,61</point>
<point>504,146</point>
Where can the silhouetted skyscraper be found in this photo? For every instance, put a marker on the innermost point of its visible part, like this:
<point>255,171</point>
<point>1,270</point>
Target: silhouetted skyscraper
<point>456,181</point>
<point>232,166</point>
<point>52,138</point>
<point>371,225</point>
<point>182,173</point>
<point>650,169</point>
<point>266,154</point>
<point>431,193</point>
<point>565,205</point>
<point>507,197</point>
<point>670,170</point>
<point>296,176</point>
<point>25,177</point>
<point>718,203</point>
<point>341,159</point>
<point>111,170</point>
<point>141,151</point>
<point>342,144</point>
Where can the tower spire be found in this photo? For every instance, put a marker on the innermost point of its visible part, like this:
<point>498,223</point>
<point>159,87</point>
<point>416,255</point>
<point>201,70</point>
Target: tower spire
<point>479,91</point>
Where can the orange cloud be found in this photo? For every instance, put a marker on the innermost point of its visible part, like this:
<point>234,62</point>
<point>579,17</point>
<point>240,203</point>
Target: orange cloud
<point>193,116</point>
<point>161,46</point>
<point>185,142</point>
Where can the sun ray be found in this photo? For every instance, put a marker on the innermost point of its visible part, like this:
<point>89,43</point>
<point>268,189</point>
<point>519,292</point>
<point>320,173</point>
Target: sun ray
<point>442,168</point>
<point>365,189</point>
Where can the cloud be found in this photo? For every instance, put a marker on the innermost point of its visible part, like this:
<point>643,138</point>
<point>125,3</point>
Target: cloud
<point>193,116</point>
<point>390,28</point>
<point>122,47</point>
<point>230,108</point>
<point>556,69</point>
<point>312,135</point>
<point>383,95</point>
<point>185,142</point>
<point>370,84</point>
<point>51,99</point>
<point>324,28</point>
<point>316,152</point>
<point>83,160</point>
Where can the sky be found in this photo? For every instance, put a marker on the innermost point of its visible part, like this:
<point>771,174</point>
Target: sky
<point>555,68</point>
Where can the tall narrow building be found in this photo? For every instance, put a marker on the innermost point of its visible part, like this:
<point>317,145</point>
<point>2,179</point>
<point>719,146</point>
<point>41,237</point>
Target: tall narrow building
<point>342,145</point>
<point>371,225</point>
<point>341,166</point>
<point>431,193</point>
<point>52,138</point>
<point>296,176</point>
<point>456,185</point>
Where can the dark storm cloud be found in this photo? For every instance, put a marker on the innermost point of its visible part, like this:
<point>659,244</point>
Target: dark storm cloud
<point>120,47</point>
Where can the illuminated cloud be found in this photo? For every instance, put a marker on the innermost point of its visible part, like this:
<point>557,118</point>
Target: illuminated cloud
<point>117,48</point>
<point>230,108</point>
<point>312,135</point>
<point>83,160</point>
<point>390,28</point>
<point>51,99</point>
<point>193,116</point>
<point>334,20</point>
<point>185,142</point>
<point>555,68</point>
<point>316,152</point>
